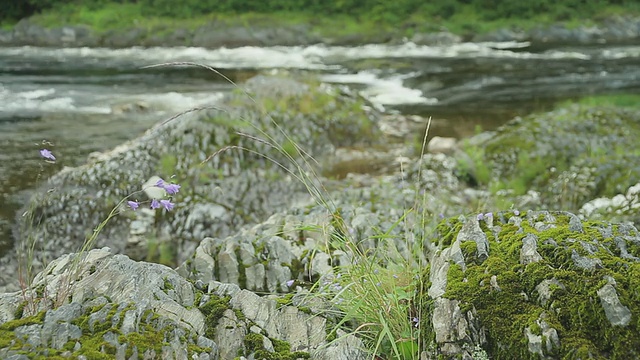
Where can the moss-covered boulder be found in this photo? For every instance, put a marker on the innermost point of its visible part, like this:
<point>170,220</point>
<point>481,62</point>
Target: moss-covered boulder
<point>99,305</point>
<point>534,285</point>
<point>570,155</point>
<point>254,133</point>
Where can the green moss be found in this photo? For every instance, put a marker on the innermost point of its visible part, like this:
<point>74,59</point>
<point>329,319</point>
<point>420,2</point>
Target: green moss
<point>19,310</point>
<point>213,311</point>
<point>573,309</point>
<point>570,155</point>
<point>242,270</point>
<point>282,350</point>
<point>168,164</point>
<point>30,320</point>
<point>285,300</point>
<point>253,342</point>
<point>168,285</point>
<point>447,231</point>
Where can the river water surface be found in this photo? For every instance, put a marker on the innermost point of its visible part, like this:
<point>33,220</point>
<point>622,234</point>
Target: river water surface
<point>81,100</point>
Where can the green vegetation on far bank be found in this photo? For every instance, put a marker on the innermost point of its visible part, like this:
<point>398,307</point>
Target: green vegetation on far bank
<point>613,100</point>
<point>401,17</point>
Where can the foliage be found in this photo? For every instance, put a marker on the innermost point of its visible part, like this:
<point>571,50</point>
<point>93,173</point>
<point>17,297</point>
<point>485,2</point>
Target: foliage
<point>400,14</point>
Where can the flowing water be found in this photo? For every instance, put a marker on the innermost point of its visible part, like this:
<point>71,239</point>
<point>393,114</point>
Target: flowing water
<point>77,101</point>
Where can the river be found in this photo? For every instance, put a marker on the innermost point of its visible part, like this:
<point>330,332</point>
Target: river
<point>75,101</point>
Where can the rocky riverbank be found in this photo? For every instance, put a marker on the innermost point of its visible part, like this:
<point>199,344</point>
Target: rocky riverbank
<point>244,225</point>
<point>612,30</point>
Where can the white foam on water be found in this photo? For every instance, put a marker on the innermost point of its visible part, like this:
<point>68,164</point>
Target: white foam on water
<point>248,57</point>
<point>382,91</point>
<point>174,101</point>
<point>35,94</point>
<point>42,101</point>
<point>314,57</point>
<point>621,52</point>
<point>412,50</point>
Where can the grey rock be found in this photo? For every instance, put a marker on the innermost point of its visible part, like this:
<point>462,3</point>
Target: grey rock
<point>451,327</point>
<point>127,297</point>
<point>438,38</point>
<point>534,342</point>
<point>550,335</point>
<point>230,334</point>
<point>103,281</point>
<point>545,292</point>
<point>218,34</point>
<point>346,347</point>
<point>575,224</point>
<point>445,145</point>
<point>471,231</point>
<point>529,252</point>
<point>617,313</point>
<point>123,38</point>
<point>585,262</point>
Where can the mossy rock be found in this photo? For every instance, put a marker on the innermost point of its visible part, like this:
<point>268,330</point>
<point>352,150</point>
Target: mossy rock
<point>236,165</point>
<point>570,155</point>
<point>96,333</point>
<point>535,285</point>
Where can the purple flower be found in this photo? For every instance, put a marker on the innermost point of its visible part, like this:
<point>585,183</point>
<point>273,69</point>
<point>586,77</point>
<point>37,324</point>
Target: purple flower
<point>167,204</point>
<point>171,189</point>
<point>441,216</point>
<point>155,204</point>
<point>516,212</point>
<point>289,283</point>
<point>395,276</point>
<point>415,321</point>
<point>488,215</point>
<point>480,217</point>
<point>133,204</point>
<point>47,155</point>
<point>160,183</point>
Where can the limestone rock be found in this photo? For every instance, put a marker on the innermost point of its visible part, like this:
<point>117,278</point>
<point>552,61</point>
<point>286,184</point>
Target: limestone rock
<point>528,293</point>
<point>99,304</point>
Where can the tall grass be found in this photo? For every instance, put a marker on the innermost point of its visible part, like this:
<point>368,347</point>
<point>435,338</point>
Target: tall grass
<point>376,294</point>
